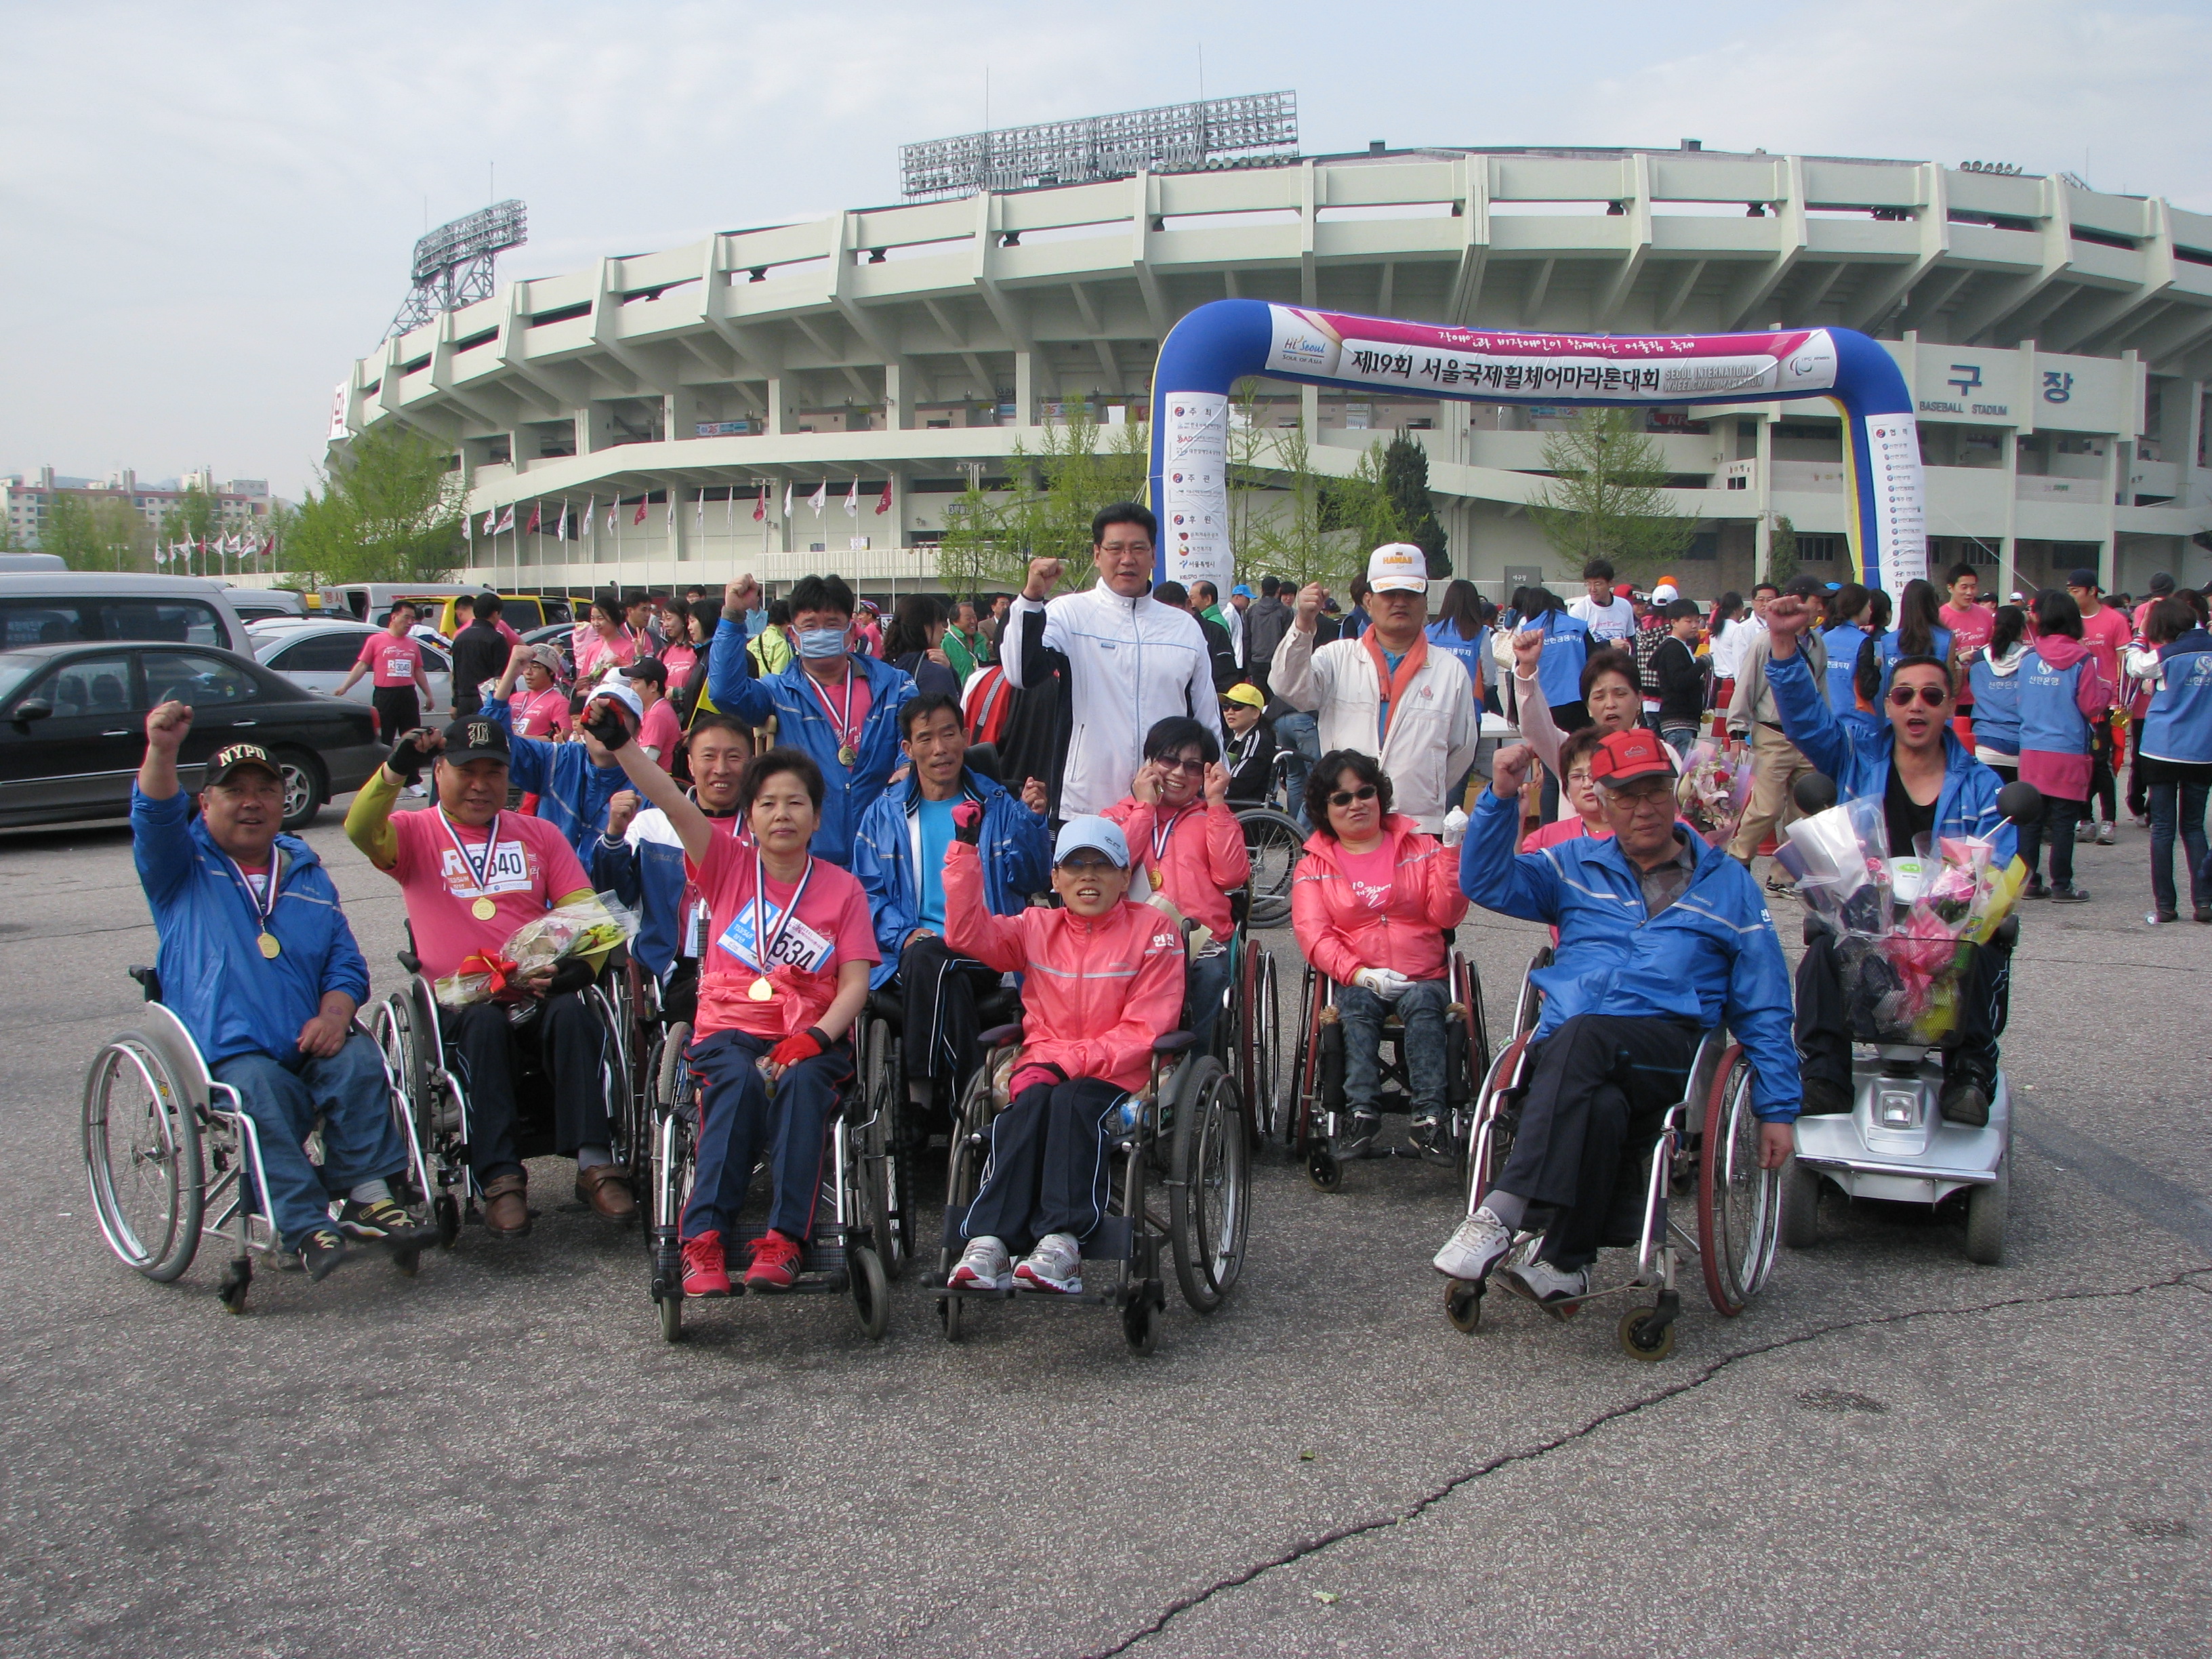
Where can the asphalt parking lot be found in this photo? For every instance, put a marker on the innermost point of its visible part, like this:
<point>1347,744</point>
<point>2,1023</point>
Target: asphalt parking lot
<point>1892,1451</point>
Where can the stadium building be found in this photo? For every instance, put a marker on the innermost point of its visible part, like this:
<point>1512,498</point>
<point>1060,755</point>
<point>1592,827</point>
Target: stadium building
<point>2057,340</point>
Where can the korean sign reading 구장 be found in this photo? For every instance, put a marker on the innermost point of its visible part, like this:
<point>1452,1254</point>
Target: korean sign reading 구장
<point>1476,363</point>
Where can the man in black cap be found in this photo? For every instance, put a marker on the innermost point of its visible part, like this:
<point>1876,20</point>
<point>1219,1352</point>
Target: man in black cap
<point>471,873</point>
<point>257,961</point>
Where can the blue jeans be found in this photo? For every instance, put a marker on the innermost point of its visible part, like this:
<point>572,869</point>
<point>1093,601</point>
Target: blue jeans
<point>1300,735</point>
<point>2186,802</point>
<point>284,1097</point>
<point>1680,739</point>
<point>737,1121</point>
<point>1422,1010</point>
<point>1208,984</point>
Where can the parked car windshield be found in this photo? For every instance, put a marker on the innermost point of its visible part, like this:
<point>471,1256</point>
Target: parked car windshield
<point>59,619</point>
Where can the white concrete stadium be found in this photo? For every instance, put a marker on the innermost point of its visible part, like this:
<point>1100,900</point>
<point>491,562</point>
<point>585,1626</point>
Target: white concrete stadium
<point>2058,341</point>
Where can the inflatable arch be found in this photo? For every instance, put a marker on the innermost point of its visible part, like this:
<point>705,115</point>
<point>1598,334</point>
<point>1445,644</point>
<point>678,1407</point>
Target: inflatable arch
<point>1221,343</point>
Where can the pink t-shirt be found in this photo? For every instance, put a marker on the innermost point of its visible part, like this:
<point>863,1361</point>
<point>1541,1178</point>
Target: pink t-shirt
<point>660,733</point>
<point>832,927</point>
<point>1372,875</point>
<point>540,714</point>
<point>848,719</point>
<point>1970,628</point>
<point>531,867</point>
<point>2107,634</point>
<point>392,661</point>
<point>1570,828</point>
<point>594,651</point>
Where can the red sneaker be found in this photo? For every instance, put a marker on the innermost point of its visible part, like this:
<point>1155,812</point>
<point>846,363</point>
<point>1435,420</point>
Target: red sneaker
<point>705,1272</point>
<point>775,1263</point>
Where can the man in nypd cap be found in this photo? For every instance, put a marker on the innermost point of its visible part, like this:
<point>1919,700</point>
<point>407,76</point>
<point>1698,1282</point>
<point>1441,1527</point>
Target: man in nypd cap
<point>257,961</point>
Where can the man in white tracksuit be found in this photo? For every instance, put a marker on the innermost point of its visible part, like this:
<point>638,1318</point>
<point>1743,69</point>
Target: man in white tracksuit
<point>1386,694</point>
<point>1130,661</point>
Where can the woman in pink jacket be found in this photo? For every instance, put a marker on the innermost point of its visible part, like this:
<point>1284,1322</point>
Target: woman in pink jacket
<point>1187,840</point>
<point>1104,977</point>
<point>1371,903</point>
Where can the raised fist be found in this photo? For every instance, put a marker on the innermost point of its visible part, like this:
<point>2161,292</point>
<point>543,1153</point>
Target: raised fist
<point>968,822</point>
<point>1044,576</point>
<point>167,725</point>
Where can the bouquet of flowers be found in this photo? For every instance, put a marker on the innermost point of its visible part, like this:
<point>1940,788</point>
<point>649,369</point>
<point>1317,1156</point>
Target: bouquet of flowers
<point>1715,787</point>
<point>582,927</point>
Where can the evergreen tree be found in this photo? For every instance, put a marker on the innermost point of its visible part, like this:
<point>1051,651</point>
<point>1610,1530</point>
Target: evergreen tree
<point>1608,496</point>
<point>1406,479</point>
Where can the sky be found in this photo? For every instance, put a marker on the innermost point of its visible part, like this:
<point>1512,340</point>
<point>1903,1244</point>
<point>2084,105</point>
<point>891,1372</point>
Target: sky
<point>208,210</point>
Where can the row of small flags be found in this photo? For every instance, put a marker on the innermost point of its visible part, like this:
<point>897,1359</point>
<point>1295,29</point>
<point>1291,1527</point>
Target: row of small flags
<point>501,523</point>
<point>219,547</point>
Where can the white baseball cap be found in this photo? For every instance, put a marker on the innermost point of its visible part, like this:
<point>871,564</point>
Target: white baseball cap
<point>1398,568</point>
<point>1664,594</point>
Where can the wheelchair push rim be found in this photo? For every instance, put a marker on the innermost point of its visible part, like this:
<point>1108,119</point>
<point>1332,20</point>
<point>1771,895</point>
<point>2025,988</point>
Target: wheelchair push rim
<point>149,1185</point>
<point>1209,1191</point>
<point>1739,1203</point>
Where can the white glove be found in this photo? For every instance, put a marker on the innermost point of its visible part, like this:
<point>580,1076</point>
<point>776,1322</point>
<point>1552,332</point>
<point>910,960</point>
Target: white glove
<point>1455,827</point>
<point>1383,982</point>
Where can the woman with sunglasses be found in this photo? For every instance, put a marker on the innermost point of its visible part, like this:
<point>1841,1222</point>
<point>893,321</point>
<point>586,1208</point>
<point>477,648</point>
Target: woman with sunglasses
<point>1371,903</point>
<point>1928,787</point>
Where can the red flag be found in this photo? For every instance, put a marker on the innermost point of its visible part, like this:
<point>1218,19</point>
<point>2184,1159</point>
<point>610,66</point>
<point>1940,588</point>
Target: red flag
<point>532,528</point>
<point>760,506</point>
<point>883,501</point>
<point>638,516</point>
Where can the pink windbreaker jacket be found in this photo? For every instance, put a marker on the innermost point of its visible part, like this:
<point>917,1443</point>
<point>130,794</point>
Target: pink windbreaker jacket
<point>1339,935</point>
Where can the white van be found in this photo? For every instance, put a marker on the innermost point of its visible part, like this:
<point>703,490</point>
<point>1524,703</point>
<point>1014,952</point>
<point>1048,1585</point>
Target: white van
<point>51,608</point>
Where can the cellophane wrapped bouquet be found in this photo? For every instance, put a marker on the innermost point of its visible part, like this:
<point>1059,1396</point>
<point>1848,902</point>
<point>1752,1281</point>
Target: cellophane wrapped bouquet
<point>578,928</point>
<point>1907,928</point>
<point>1715,785</point>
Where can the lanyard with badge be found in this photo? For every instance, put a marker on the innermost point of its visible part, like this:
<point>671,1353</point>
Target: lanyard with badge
<point>848,739</point>
<point>479,877</point>
<point>764,943</point>
<point>262,900</point>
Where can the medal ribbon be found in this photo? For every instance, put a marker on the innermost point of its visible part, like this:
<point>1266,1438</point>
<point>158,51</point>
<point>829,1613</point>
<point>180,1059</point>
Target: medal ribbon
<point>846,737</point>
<point>480,878</point>
<point>763,943</point>
<point>262,908</point>
<point>1162,832</point>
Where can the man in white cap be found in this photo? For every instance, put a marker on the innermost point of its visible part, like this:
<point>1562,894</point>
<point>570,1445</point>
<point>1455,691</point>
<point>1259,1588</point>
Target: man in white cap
<point>1386,694</point>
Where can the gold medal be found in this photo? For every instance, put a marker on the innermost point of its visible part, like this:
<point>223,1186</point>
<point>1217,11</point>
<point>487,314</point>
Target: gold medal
<point>847,755</point>
<point>270,947</point>
<point>484,909</point>
<point>761,990</point>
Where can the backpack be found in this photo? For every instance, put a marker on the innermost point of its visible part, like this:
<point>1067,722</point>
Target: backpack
<point>988,704</point>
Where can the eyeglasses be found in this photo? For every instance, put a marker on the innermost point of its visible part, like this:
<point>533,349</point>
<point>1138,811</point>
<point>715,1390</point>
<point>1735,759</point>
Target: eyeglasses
<point>1180,763</point>
<point>1934,696</point>
<point>1345,797</point>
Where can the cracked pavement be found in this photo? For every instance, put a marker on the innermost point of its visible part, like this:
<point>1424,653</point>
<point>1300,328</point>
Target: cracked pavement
<point>1891,1450</point>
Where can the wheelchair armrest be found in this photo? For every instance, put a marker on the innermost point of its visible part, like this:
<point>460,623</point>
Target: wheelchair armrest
<point>1000,1036</point>
<point>150,981</point>
<point>410,962</point>
<point>1173,1042</point>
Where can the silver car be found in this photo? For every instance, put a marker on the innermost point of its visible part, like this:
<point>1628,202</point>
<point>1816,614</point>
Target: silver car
<point>316,654</point>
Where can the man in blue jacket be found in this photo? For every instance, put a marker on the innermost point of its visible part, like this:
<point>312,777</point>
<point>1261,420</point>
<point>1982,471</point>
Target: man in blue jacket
<point>1662,939</point>
<point>899,858</point>
<point>257,961</point>
<point>1929,786</point>
<point>573,781</point>
<point>840,706</point>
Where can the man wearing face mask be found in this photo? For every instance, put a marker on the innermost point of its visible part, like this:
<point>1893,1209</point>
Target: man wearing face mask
<point>1128,661</point>
<point>838,706</point>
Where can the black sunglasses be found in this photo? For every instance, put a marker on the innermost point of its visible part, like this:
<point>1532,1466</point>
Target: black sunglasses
<point>1345,797</point>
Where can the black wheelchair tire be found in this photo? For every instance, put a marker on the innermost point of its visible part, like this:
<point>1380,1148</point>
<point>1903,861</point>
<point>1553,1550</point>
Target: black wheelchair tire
<point>1209,1213</point>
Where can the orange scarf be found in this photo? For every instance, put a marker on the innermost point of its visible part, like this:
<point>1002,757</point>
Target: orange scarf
<point>1392,687</point>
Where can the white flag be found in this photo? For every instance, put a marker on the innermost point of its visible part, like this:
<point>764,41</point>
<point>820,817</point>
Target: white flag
<point>852,499</point>
<point>613,508</point>
<point>505,522</point>
<point>491,521</point>
<point>786,501</point>
<point>591,510</point>
<point>671,510</point>
<point>560,525</point>
<point>820,498</point>
<point>699,512</point>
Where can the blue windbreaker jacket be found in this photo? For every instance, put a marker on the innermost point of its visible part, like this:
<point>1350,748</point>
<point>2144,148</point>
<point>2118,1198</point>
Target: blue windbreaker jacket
<point>800,724</point>
<point>1709,956</point>
<point>232,999</point>
<point>1857,757</point>
<point>1015,851</point>
<point>572,792</point>
<point>2178,725</point>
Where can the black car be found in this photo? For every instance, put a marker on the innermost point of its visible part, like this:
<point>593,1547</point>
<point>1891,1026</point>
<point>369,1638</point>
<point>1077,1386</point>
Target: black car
<point>73,727</point>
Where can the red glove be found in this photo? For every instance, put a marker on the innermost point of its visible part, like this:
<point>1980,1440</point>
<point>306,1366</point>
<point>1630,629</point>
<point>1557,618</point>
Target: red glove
<point>800,1045</point>
<point>1031,1073</point>
<point>968,821</point>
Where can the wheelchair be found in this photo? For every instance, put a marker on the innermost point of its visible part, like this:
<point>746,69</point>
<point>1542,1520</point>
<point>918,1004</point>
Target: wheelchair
<point>1248,1036</point>
<point>1707,1152</point>
<point>844,1253</point>
<point>164,1144</point>
<point>407,1026</point>
<point>1185,1130</point>
<point>1274,843</point>
<point>1318,1103</point>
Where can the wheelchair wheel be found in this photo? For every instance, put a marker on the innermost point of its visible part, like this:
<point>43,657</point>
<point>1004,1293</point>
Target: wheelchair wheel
<point>1463,1305</point>
<point>963,1177</point>
<point>871,1294</point>
<point>1985,1218</point>
<point>1209,1185</point>
<point>141,1153</point>
<point>880,1151</point>
<point>1638,1341</point>
<point>1739,1203</point>
<point>624,1107</point>
<point>1140,1324</point>
<point>1274,843</point>
<point>1262,1084</point>
<point>671,1317</point>
<point>669,1164</point>
<point>1801,1206</point>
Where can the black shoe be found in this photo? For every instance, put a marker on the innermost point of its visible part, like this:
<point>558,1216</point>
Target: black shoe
<point>1358,1137</point>
<point>2035,888</point>
<point>320,1252</point>
<point>2204,912</point>
<point>381,1221</point>
<point>1824,1098</point>
<point>1966,1103</point>
<point>1426,1131</point>
<point>2069,894</point>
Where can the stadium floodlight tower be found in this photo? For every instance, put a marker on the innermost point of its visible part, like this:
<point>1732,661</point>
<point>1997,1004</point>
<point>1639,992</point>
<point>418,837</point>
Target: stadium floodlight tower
<point>453,263</point>
<point>1254,130</point>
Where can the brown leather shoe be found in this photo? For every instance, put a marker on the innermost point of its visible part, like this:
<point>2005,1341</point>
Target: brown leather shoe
<point>606,1189</point>
<point>507,1205</point>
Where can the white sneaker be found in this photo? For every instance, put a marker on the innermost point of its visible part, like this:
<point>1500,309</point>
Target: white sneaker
<point>1056,1265</point>
<point>1478,1244</point>
<point>2085,831</point>
<point>1557,1293</point>
<point>2106,833</point>
<point>985,1267</point>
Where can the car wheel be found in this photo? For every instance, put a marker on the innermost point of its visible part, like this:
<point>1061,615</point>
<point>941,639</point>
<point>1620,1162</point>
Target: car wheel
<point>305,790</point>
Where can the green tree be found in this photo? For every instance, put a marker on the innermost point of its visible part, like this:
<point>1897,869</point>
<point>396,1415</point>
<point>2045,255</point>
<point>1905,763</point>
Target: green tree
<point>1046,508</point>
<point>1406,477</point>
<point>1608,496</point>
<point>390,510</point>
<point>1288,510</point>
<point>1363,507</point>
<point>96,533</point>
<point>1782,552</point>
<point>192,518</point>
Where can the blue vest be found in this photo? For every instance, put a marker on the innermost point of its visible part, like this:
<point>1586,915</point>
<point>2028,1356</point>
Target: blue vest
<point>2051,721</point>
<point>1566,648</point>
<point>1843,642</point>
<point>2178,725</point>
<point>1892,649</point>
<point>1996,705</point>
